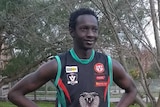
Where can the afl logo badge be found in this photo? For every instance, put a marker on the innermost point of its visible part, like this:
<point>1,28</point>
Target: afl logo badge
<point>99,67</point>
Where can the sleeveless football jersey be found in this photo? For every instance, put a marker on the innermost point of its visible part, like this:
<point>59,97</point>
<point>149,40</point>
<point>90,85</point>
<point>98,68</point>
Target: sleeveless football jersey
<point>83,82</point>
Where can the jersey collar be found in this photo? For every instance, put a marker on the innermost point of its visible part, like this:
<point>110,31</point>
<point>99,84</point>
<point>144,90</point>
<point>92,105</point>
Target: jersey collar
<point>82,61</point>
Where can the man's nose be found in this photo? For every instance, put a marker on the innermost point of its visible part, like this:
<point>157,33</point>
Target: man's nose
<point>90,32</point>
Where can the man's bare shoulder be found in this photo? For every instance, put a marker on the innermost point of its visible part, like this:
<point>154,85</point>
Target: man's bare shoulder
<point>48,69</point>
<point>118,69</point>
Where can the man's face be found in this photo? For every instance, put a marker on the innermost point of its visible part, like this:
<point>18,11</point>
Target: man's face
<point>86,31</point>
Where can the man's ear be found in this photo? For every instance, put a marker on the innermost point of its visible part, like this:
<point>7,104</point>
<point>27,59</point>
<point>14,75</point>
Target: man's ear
<point>71,31</point>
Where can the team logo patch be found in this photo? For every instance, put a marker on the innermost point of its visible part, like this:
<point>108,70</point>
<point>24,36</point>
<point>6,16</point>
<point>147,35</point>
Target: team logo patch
<point>99,67</point>
<point>71,69</point>
<point>89,99</point>
<point>72,78</point>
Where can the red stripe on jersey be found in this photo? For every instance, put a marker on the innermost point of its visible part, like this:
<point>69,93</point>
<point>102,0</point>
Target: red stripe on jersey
<point>106,89</point>
<point>60,83</point>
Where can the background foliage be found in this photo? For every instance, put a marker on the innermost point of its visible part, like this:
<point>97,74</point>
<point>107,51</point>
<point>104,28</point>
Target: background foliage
<point>32,31</point>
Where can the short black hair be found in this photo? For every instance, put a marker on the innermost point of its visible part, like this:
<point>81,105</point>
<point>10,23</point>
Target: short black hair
<point>81,11</point>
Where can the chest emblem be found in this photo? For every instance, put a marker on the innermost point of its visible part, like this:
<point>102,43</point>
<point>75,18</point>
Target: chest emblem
<point>99,67</point>
<point>72,78</point>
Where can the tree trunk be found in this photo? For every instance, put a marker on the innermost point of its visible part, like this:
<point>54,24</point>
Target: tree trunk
<point>156,33</point>
<point>158,101</point>
<point>155,28</point>
<point>140,102</point>
<point>35,96</point>
<point>117,40</point>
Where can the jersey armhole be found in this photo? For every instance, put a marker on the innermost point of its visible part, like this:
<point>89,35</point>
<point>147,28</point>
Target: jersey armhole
<point>111,77</point>
<point>58,71</point>
<point>110,69</point>
<point>60,95</point>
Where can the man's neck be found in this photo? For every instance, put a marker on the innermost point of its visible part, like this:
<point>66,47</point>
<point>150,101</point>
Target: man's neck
<point>83,54</point>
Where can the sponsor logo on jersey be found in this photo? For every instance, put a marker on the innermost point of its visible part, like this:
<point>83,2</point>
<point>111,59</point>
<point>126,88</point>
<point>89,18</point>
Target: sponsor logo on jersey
<point>71,69</point>
<point>101,84</point>
<point>99,67</point>
<point>72,78</point>
<point>100,77</point>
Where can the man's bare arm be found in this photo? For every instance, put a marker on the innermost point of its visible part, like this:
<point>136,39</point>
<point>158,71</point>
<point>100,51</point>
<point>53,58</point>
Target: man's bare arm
<point>30,83</point>
<point>124,81</point>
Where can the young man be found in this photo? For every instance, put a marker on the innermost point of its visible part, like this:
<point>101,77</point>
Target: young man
<point>82,76</point>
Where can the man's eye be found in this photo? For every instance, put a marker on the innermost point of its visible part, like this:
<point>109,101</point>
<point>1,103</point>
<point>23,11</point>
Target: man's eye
<point>84,29</point>
<point>94,29</point>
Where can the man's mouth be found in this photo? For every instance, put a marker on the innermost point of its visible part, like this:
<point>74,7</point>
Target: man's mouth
<point>90,42</point>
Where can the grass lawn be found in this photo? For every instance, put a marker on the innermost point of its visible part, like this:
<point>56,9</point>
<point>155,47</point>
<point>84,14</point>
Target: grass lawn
<point>46,104</point>
<point>40,104</point>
